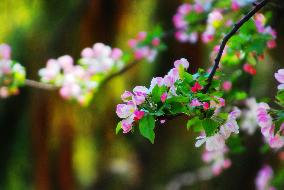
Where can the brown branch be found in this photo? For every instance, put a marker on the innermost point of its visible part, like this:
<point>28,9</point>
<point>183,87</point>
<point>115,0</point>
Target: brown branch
<point>39,85</point>
<point>120,72</point>
<point>236,28</point>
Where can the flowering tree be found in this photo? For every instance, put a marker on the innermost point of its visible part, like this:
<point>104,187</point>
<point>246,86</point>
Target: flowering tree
<point>215,105</point>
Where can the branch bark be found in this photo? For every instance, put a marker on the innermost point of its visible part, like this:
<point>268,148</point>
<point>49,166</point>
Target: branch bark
<point>39,85</point>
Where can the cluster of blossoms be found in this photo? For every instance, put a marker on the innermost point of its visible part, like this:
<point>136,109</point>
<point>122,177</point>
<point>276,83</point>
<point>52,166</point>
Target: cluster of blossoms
<point>260,23</point>
<point>216,148</point>
<point>146,46</point>
<point>263,179</point>
<point>12,74</point>
<point>130,111</point>
<point>272,137</point>
<point>214,22</point>
<point>181,24</point>
<point>79,82</point>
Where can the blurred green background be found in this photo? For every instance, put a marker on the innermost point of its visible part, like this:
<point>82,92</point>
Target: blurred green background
<point>48,143</point>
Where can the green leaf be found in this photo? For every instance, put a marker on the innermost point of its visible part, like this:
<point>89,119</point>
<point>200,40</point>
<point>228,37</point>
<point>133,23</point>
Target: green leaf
<point>210,126</point>
<point>157,93</point>
<point>146,127</point>
<point>188,77</point>
<point>192,122</point>
<point>118,128</point>
<point>180,99</point>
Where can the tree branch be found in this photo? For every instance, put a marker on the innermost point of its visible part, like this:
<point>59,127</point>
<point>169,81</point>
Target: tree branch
<point>236,28</point>
<point>39,85</point>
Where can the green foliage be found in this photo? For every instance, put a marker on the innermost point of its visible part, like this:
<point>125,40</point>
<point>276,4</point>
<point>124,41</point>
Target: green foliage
<point>146,127</point>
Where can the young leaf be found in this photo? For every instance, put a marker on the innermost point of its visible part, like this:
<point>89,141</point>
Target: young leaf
<point>209,126</point>
<point>192,122</point>
<point>146,127</point>
<point>118,128</point>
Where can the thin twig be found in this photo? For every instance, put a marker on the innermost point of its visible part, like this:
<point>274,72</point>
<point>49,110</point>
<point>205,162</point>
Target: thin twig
<point>236,28</point>
<point>123,70</point>
<point>40,85</point>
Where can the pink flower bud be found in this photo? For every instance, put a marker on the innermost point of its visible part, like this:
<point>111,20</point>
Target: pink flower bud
<point>116,53</point>
<point>141,36</point>
<point>87,53</point>
<point>227,85</point>
<point>156,42</point>
<point>164,97</point>
<point>132,43</point>
<point>138,115</point>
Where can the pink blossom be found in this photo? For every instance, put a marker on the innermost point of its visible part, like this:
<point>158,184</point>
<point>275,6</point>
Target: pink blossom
<point>126,124</point>
<point>126,96</point>
<point>217,160</point>
<point>227,85</point>
<point>263,118</point>
<point>171,77</point>
<point>125,110</point>
<point>156,81</point>
<point>235,6</point>
<point>206,105</point>
<point>164,97</point>
<point>132,43</point>
<point>279,76</point>
<point>271,44</point>
<point>179,21</point>
<point>207,37</point>
<point>183,62</point>
<point>263,178</point>
<point>141,53</point>
<point>196,87</point>
<point>138,115</point>
<point>156,42</point>
<point>195,102</point>
<point>87,52</point>
<point>184,9</point>
<point>276,141</point>
<point>198,8</point>
<point>141,36</point>
<point>5,51</point>
<point>116,53</point>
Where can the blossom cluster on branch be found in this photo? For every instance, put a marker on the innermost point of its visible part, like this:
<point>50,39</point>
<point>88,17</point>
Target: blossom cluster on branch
<point>12,74</point>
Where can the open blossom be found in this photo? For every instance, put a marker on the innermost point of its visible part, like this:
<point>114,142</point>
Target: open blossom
<point>272,137</point>
<point>5,52</point>
<point>142,51</point>
<point>263,178</point>
<point>217,141</point>
<point>101,58</point>
<point>129,111</point>
<point>279,76</point>
<point>227,85</point>
<point>217,159</point>
<point>260,22</point>
<point>249,122</point>
<point>214,21</point>
<point>74,81</point>
<point>182,25</point>
<point>183,62</point>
